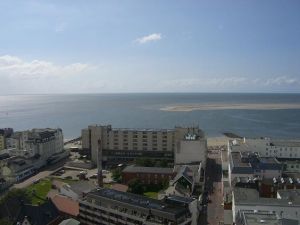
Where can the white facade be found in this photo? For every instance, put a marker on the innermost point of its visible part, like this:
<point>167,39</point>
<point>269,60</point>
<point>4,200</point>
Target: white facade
<point>188,151</point>
<point>44,142</point>
<point>267,147</point>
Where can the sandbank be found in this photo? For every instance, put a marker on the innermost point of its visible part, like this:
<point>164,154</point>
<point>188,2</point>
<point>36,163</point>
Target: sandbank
<point>221,106</point>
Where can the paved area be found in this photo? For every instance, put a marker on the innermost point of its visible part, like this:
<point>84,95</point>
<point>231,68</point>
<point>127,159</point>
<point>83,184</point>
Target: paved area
<point>213,212</point>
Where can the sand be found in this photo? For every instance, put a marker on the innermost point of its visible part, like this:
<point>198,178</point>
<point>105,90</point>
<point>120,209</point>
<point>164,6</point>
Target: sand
<point>217,141</point>
<point>242,106</point>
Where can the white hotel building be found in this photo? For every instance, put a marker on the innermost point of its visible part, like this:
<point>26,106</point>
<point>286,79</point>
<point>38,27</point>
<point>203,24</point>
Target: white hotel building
<point>267,147</point>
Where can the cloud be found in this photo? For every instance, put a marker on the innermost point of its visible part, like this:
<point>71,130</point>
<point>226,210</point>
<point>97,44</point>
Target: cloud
<point>149,38</point>
<point>15,67</point>
<point>230,83</point>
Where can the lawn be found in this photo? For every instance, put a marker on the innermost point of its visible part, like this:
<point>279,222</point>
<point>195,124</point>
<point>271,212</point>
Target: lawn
<point>151,194</point>
<point>38,192</point>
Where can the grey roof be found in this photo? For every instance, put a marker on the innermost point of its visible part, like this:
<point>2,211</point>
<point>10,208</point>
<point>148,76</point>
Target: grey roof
<point>290,194</point>
<point>181,199</point>
<point>183,172</point>
<point>238,166</point>
<point>70,222</point>
<point>248,196</point>
<point>250,217</point>
<point>142,169</point>
<point>82,187</point>
<point>248,163</point>
<point>39,215</point>
<point>156,206</point>
<point>286,143</point>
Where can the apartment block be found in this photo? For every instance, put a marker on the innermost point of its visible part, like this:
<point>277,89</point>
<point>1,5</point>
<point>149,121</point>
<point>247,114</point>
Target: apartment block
<point>107,206</point>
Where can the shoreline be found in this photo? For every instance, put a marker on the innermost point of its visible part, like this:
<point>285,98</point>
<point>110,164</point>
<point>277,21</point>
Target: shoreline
<point>242,106</point>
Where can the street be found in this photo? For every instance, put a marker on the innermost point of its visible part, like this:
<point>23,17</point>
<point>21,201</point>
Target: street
<point>213,212</point>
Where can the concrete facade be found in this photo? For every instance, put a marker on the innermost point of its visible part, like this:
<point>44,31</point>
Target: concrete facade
<point>127,144</point>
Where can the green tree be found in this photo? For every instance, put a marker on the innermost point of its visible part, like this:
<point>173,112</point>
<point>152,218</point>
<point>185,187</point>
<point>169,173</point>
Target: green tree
<point>117,174</point>
<point>5,221</point>
<point>145,162</point>
<point>135,186</point>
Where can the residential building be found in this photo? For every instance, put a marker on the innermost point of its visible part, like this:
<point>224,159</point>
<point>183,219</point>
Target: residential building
<point>250,165</point>
<point>123,144</point>
<point>188,182</point>
<point>4,135</point>
<point>107,206</point>
<point>44,214</point>
<point>2,142</point>
<point>267,147</point>
<point>147,175</point>
<point>37,142</point>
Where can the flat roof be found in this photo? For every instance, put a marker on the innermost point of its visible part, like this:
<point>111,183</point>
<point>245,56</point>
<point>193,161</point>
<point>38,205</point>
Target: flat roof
<point>139,200</point>
<point>290,194</point>
<point>248,196</point>
<point>143,169</point>
<point>258,218</point>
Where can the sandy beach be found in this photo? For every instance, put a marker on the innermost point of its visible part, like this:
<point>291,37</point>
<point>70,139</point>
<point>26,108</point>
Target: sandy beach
<point>217,141</point>
<point>248,106</point>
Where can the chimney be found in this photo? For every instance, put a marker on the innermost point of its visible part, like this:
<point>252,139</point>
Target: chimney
<point>99,160</point>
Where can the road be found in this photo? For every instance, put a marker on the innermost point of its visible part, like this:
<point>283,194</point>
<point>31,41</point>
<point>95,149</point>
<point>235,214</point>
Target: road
<point>213,213</point>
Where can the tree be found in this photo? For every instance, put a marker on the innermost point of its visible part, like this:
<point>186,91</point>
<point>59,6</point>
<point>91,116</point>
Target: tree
<point>117,174</point>
<point>135,186</point>
<point>5,221</point>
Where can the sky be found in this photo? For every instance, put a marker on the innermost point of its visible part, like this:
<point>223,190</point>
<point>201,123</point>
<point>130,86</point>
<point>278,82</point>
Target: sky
<point>99,46</point>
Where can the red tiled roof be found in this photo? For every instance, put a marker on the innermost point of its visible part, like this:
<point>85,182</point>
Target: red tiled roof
<point>66,205</point>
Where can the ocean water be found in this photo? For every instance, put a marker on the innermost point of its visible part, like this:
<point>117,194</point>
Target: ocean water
<point>77,111</point>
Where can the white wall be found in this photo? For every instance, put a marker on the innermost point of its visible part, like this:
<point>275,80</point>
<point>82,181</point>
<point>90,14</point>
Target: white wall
<point>188,151</point>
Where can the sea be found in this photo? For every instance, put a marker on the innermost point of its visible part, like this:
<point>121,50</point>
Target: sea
<point>72,112</point>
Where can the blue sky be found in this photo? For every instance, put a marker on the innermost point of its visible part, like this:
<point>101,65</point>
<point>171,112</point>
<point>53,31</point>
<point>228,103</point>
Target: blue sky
<point>149,46</point>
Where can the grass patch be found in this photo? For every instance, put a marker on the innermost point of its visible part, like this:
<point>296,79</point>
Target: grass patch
<point>107,185</point>
<point>37,193</point>
<point>151,194</point>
